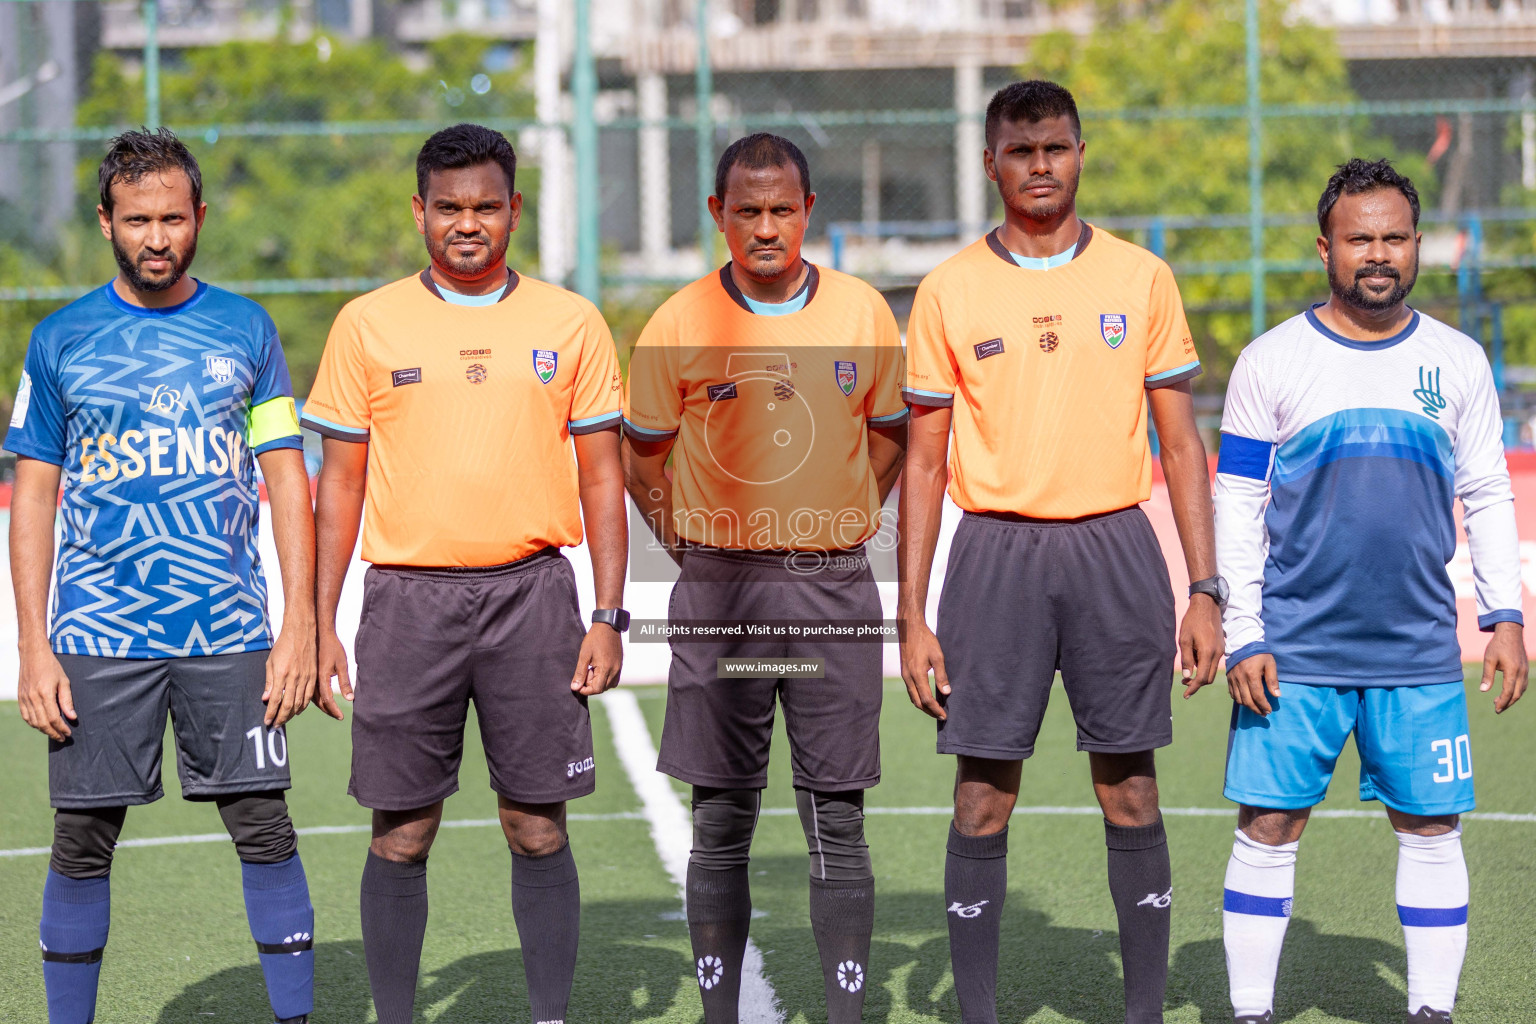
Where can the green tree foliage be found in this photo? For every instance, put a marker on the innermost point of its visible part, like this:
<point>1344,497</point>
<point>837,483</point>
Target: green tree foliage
<point>1190,53</point>
<point>325,203</point>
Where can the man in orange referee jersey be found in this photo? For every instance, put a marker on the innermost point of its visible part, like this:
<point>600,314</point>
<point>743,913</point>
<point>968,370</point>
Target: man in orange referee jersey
<point>449,402</point>
<point>775,387</point>
<point>1041,346</point>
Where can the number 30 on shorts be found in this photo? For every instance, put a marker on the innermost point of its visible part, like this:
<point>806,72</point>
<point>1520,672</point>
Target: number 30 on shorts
<point>1454,757</point>
<point>272,745</point>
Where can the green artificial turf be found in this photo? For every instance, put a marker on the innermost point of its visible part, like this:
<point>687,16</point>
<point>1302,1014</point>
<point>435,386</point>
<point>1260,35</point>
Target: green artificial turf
<point>180,951</point>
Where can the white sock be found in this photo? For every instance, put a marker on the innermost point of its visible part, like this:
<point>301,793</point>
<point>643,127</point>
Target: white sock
<point>1256,907</point>
<point>1432,905</point>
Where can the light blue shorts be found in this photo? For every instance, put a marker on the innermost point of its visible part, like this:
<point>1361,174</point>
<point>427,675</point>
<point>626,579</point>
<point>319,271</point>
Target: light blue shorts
<point>1415,750</point>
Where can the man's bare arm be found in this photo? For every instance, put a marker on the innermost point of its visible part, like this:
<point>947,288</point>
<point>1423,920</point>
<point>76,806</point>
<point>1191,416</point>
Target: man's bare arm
<point>601,477</point>
<point>338,514</point>
<point>291,665</point>
<point>42,691</point>
<point>1201,642</point>
<point>887,451</point>
<point>645,477</point>
<point>926,475</point>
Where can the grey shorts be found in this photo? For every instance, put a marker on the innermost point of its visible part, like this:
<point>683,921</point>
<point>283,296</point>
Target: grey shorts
<point>432,640</point>
<point>717,731</point>
<point>112,756</point>
<point>1024,599</point>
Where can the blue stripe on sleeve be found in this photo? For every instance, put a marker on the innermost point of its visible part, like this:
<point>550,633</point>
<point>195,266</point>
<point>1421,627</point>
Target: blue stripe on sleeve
<point>1255,906</point>
<point>645,433</point>
<point>1244,456</point>
<point>1186,368</point>
<point>1431,917</point>
<point>887,421</point>
<point>1493,618</point>
<point>1243,653</point>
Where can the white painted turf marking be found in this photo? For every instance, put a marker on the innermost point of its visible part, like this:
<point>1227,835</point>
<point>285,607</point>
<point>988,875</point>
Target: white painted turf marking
<point>672,832</point>
<point>767,812</point>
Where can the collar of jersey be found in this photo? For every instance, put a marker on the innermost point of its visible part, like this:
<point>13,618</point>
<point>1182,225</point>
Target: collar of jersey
<point>995,243</point>
<point>802,296</point>
<point>1363,346</point>
<point>431,286</point>
<point>163,311</point>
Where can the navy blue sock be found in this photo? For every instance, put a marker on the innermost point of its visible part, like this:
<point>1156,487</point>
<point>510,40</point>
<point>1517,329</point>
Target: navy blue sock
<point>282,923</point>
<point>73,931</point>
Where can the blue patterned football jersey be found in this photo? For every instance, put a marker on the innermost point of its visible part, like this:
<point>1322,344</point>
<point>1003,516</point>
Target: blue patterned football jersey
<point>155,416</point>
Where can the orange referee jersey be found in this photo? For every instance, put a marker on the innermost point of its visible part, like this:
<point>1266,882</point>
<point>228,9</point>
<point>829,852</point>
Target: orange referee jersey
<point>771,413</point>
<point>467,412</point>
<point>1047,371</point>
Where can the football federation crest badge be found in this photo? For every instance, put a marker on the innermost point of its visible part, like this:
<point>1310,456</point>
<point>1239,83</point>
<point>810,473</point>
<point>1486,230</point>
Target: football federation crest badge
<point>544,364</point>
<point>1112,326</point>
<point>847,375</point>
<point>221,369</point>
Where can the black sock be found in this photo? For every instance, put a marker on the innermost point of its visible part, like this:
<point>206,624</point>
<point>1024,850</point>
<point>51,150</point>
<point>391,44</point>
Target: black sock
<point>843,919</point>
<point>975,882</point>
<point>546,904</point>
<point>1141,882</point>
<point>719,913</point>
<point>394,911</point>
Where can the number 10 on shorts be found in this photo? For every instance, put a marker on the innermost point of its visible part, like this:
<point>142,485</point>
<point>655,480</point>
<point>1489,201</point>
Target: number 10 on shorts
<point>275,742</point>
<point>1455,756</point>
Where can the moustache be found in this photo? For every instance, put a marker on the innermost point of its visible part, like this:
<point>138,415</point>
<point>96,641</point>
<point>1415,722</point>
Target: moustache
<point>1037,182</point>
<point>1372,270</point>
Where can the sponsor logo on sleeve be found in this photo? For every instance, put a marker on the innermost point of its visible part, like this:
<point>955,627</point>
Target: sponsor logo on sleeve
<point>402,377</point>
<point>1112,326</point>
<point>994,347</point>
<point>720,392</point>
<point>23,399</point>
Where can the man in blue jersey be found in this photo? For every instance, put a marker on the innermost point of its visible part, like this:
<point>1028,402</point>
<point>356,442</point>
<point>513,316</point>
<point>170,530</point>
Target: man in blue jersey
<point>1349,433</point>
<point>152,398</point>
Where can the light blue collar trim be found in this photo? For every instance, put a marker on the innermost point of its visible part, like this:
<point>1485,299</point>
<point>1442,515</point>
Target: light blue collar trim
<point>458,299</point>
<point>793,304</point>
<point>1061,259</point>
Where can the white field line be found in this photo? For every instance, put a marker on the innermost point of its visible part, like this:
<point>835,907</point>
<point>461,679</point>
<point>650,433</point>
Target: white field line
<point>672,832</point>
<point>767,812</point>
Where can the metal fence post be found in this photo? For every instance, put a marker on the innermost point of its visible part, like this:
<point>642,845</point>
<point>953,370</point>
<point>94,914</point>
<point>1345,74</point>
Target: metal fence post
<point>704,132</point>
<point>1255,174</point>
<point>152,63</point>
<point>584,131</point>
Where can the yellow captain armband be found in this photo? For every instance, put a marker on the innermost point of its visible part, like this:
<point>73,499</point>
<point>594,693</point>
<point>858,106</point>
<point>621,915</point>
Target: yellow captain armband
<point>271,421</point>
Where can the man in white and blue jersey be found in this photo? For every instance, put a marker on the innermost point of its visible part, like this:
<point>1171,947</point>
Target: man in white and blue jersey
<point>1348,435</point>
<point>151,399</point>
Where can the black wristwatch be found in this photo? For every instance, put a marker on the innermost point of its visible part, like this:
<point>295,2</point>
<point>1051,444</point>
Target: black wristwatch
<point>1215,588</point>
<point>618,618</point>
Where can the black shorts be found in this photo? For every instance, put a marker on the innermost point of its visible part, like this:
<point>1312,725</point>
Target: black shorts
<point>430,641</point>
<point>112,756</point>
<point>1023,599</point>
<point>718,730</point>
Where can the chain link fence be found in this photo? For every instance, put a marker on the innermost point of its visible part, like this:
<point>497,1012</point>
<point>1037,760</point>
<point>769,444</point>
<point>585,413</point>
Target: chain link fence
<point>306,116</point>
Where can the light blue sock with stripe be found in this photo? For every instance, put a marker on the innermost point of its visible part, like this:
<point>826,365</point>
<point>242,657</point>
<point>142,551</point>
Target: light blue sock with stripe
<point>1255,910</point>
<point>283,924</point>
<point>73,931</point>
<point>1432,905</point>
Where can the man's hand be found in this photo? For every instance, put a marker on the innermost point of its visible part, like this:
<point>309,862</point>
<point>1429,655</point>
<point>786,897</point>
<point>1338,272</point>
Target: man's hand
<point>43,694</point>
<point>332,664</point>
<point>920,653</point>
<point>1505,653</point>
<point>1201,643</point>
<point>597,666</point>
<point>290,674</point>
<point>1251,679</point>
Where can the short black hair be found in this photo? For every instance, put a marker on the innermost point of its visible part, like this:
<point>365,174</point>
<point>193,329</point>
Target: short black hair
<point>1035,100</point>
<point>134,154</point>
<point>758,151</point>
<point>1359,176</point>
<point>465,145</point>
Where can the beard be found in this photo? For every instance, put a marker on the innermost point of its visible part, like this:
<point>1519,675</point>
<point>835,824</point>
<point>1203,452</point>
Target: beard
<point>1351,294</point>
<point>129,264</point>
<point>444,255</point>
<point>1052,206</point>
